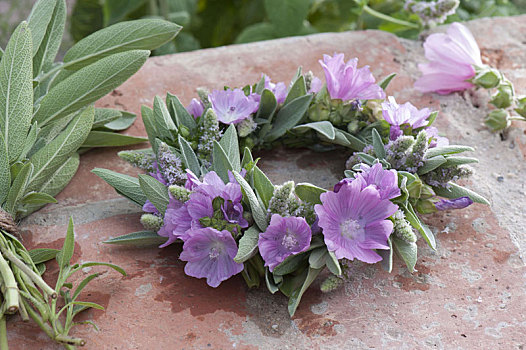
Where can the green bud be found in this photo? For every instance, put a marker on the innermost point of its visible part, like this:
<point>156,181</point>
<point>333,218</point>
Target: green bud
<point>402,229</point>
<point>497,120</point>
<point>425,206</point>
<point>353,127</point>
<point>217,203</point>
<point>427,192</point>
<point>193,144</point>
<point>203,96</point>
<point>318,112</point>
<point>415,189</point>
<point>151,222</point>
<point>184,131</point>
<point>504,96</point>
<point>521,106</point>
<point>335,118</point>
<point>179,192</point>
<point>486,77</point>
<point>205,221</point>
<point>246,126</point>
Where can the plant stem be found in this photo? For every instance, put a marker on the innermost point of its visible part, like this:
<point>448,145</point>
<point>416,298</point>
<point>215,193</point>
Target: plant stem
<point>384,17</point>
<point>3,334</point>
<point>29,272</point>
<point>34,315</point>
<point>70,341</point>
<point>11,288</point>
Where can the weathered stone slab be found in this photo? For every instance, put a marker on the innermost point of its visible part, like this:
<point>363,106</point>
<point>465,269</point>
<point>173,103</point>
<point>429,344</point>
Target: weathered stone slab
<point>469,293</point>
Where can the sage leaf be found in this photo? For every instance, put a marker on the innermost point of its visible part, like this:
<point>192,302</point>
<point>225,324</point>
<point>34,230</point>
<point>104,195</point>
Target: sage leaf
<point>333,264</point>
<point>296,295</point>
<point>260,215</point>
<point>84,283</point>
<point>189,157</point>
<point>162,119</point>
<point>104,116</point>
<point>230,145</point>
<point>16,91</point>
<point>318,257</point>
<point>61,177</point>
<point>264,187</point>
<point>457,160</point>
<point>385,81</point>
<point>221,162</point>
<point>269,280</point>
<point>110,139</point>
<point>298,89</point>
<point>290,264</point>
<point>149,126</point>
<point>155,191</point>
<point>267,105</point>
<point>96,263</point>
<point>422,228</point>
<point>248,245</point>
<point>48,47</point>
<point>431,164</point>
<point>387,256</point>
<point>50,157</point>
<point>309,193</point>
<point>66,253</point>
<point>39,19</point>
<point>289,116</point>
<point>89,84</point>
<point>180,114</point>
<point>324,127</point>
<point>378,144</point>
<point>141,34</point>
<point>407,251</point>
<point>456,191</point>
<point>38,198</point>
<point>41,255</point>
<point>5,171</point>
<point>452,149</point>
<point>123,122</point>
<point>126,185</point>
<point>139,239</point>
<point>18,188</point>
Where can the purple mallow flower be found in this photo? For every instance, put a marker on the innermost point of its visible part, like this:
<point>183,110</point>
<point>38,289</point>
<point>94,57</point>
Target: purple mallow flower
<point>278,89</point>
<point>284,236</point>
<point>148,207</point>
<point>457,203</point>
<point>354,221</point>
<point>385,181</point>
<point>436,140</point>
<point>347,82</point>
<point>232,106</point>
<point>210,254</point>
<point>406,114</point>
<point>452,59</point>
<point>315,85</point>
<point>195,108</point>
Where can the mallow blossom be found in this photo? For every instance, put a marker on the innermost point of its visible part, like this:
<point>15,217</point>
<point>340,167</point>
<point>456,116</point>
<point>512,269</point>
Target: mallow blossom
<point>232,106</point>
<point>195,108</point>
<point>209,254</point>
<point>407,114</point>
<point>346,81</point>
<point>354,221</point>
<point>453,58</point>
<point>278,89</point>
<point>385,181</point>
<point>284,236</point>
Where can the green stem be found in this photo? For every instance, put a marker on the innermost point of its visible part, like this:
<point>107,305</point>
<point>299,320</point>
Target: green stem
<point>34,315</point>
<point>11,288</point>
<point>29,272</point>
<point>384,17</point>
<point>64,339</point>
<point>3,334</point>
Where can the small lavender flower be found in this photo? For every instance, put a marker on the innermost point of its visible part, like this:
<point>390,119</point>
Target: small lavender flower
<point>406,114</point>
<point>151,222</point>
<point>285,236</point>
<point>195,108</point>
<point>354,222</point>
<point>143,160</point>
<point>209,254</point>
<point>278,89</point>
<point>441,177</point>
<point>436,139</point>
<point>232,106</point>
<point>457,203</point>
<point>148,207</point>
<point>315,85</point>
<point>347,82</point>
<point>396,151</point>
<point>170,165</point>
<point>176,222</point>
<point>208,132</point>
<point>415,157</point>
<point>279,203</point>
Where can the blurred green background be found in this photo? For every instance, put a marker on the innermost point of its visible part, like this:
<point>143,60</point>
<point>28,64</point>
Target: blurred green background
<point>211,23</point>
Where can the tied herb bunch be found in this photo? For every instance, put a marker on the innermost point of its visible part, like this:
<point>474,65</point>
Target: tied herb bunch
<point>203,188</point>
<point>46,119</point>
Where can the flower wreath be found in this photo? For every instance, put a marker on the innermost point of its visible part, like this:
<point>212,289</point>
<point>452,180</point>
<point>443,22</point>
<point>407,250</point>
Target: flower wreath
<point>203,187</point>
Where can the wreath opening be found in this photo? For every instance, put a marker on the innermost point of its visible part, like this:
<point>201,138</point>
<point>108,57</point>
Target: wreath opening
<point>202,186</point>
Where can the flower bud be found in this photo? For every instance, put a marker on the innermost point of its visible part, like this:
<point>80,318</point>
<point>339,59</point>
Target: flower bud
<point>331,283</point>
<point>427,192</point>
<point>425,206</point>
<point>486,77</point>
<point>521,106</point>
<point>318,112</point>
<point>184,131</point>
<point>497,120</point>
<point>246,126</point>
<point>415,189</point>
<point>353,127</point>
<point>504,96</point>
<point>151,222</point>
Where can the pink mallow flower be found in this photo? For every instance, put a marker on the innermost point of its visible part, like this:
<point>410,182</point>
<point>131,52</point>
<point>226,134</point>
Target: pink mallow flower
<point>406,114</point>
<point>354,221</point>
<point>232,106</point>
<point>210,254</point>
<point>285,236</point>
<point>347,82</point>
<point>195,108</point>
<point>452,59</point>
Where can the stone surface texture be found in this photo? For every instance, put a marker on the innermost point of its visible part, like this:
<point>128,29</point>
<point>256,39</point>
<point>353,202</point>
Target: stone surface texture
<point>469,293</point>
